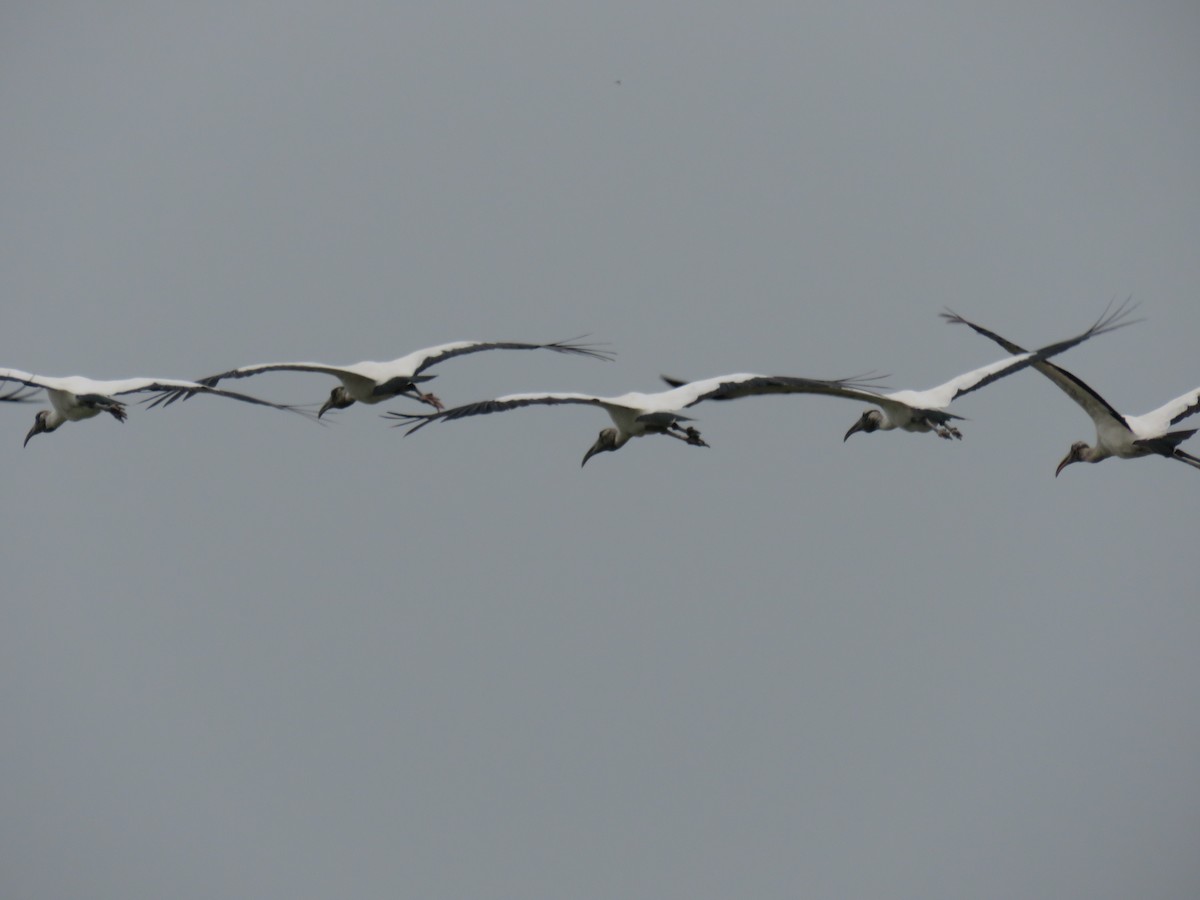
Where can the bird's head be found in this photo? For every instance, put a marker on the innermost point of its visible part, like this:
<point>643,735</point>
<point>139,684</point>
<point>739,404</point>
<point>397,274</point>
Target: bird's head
<point>338,399</point>
<point>869,421</point>
<point>40,425</point>
<point>609,439</point>
<point>1075,454</point>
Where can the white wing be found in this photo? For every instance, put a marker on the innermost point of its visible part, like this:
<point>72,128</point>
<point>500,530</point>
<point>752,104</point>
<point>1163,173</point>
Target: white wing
<point>80,386</point>
<point>422,359</point>
<point>1160,421</point>
<point>345,373</point>
<point>1101,412</point>
<point>502,404</point>
<point>743,385</point>
<point>26,378</point>
<point>724,387</point>
<point>368,373</point>
<point>166,389</point>
<point>943,394</point>
<point>940,397</point>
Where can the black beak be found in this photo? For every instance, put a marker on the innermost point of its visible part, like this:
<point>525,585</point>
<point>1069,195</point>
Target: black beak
<point>38,427</point>
<point>600,446</point>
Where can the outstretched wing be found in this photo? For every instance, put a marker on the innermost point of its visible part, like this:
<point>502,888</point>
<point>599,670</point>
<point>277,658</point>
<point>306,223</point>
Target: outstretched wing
<point>88,387</point>
<point>745,384</point>
<point>166,391</point>
<point>89,391</point>
<point>423,359</point>
<point>151,386</point>
<point>259,368</point>
<point>856,388</point>
<point>1101,412</point>
<point>943,394</point>
<point>1172,413</point>
<point>500,404</point>
<point>346,374</point>
<point>1181,407</point>
<point>28,379</point>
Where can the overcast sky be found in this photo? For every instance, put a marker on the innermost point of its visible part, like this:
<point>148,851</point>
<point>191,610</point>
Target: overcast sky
<point>242,655</point>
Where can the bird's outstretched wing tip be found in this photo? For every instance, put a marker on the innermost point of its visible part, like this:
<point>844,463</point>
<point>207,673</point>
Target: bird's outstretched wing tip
<point>413,421</point>
<point>1113,318</point>
<point>581,346</point>
<point>869,381</point>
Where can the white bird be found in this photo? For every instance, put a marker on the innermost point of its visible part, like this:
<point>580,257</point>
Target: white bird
<point>637,414</point>
<point>372,382</point>
<point>75,398</point>
<point>1126,437</point>
<point>923,411</point>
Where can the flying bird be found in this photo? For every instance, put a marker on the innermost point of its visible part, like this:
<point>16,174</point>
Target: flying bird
<point>75,398</point>
<point>924,411</point>
<point>373,382</point>
<point>636,414</point>
<point>1126,437</point>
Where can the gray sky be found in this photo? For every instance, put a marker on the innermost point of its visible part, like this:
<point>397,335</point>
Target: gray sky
<point>242,655</point>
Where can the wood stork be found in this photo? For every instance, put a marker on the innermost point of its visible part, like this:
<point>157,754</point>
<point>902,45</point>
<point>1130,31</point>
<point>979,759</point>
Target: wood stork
<point>1125,437</point>
<point>75,398</point>
<point>924,411</point>
<point>637,414</point>
<point>372,382</point>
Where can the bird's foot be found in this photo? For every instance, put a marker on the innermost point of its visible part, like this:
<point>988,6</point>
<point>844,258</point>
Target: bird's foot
<point>432,401</point>
<point>948,432</point>
<point>693,437</point>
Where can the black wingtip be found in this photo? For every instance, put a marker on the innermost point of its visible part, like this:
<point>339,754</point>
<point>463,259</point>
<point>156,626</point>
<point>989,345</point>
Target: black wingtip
<point>868,381</point>
<point>577,345</point>
<point>400,420</point>
<point>1112,319</point>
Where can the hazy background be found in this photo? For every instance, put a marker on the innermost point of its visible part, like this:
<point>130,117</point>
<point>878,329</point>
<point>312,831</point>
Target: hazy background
<point>245,656</point>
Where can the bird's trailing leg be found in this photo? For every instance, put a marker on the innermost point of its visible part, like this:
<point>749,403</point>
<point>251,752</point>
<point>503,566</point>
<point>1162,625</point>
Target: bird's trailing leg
<point>943,429</point>
<point>114,408</point>
<point>431,400</point>
<point>427,399</point>
<point>688,435</point>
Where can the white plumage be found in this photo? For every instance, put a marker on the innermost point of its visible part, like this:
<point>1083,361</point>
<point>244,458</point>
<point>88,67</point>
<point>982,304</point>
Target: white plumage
<point>922,411</point>
<point>636,414</point>
<point>74,398</point>
<point>1125,437</point>
<point>373,382</point>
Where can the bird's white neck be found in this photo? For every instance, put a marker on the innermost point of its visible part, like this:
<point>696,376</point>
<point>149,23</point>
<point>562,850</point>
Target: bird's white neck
<point>54,419</point>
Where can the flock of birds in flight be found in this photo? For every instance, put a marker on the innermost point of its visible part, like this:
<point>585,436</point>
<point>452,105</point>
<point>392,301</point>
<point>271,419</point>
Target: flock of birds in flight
<point>76,398</point>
